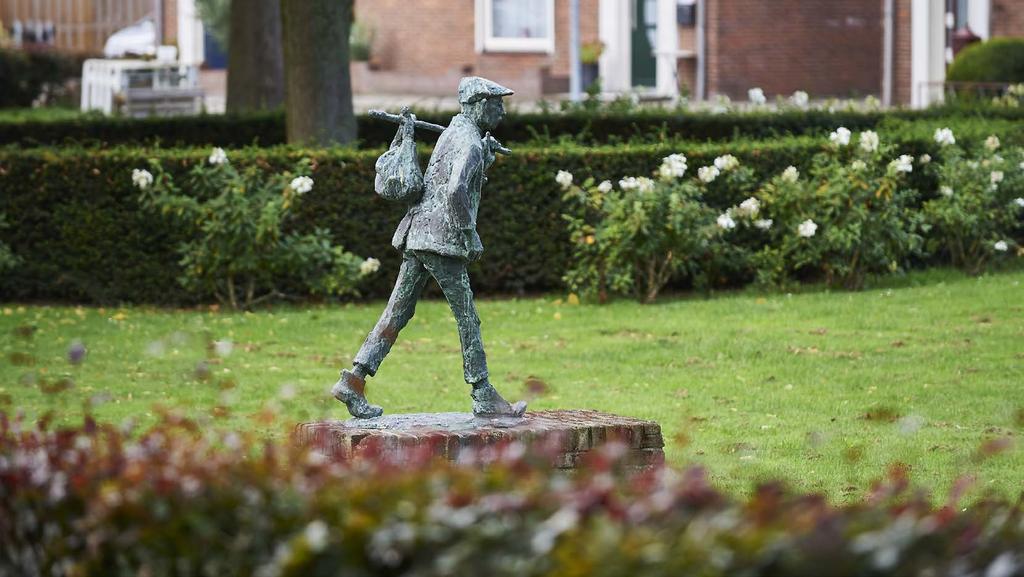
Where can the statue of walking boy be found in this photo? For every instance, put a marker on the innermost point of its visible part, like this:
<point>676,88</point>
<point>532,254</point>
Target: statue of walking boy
<point>438,239</point>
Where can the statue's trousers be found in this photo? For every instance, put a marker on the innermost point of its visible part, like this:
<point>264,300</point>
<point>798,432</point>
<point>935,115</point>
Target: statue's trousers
<point>450,273</point>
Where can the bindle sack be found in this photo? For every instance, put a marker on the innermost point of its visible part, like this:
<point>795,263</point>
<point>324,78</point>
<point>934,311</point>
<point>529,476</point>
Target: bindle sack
<point>399,177</point>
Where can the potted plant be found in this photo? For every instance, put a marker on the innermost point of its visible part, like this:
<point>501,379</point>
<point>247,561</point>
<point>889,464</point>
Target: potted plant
<point>590,52</point>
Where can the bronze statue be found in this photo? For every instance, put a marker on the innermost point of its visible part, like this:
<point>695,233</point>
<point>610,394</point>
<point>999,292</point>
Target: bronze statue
<point>438,238</point>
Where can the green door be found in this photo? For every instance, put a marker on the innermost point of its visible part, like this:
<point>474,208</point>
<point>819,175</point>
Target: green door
<point>645,25</point>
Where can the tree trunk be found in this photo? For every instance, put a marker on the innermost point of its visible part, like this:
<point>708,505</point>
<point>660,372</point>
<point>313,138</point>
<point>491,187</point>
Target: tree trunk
<point>255,57</point>
<point>318,86</point>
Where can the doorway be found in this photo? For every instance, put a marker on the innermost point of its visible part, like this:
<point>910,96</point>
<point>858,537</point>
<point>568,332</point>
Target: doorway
<point>643,38</point>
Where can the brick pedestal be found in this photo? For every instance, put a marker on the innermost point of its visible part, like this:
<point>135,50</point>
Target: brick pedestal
<point>563,437</point>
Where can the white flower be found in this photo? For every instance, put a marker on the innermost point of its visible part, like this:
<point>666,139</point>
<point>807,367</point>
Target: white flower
<point>799,98</point>
<point>858,165</point>
<point>1001,246</point>
<point>707,173</point>
<point>944,136</point>
<point>218,156</point>
<point>869,141</point>
<point>1021,166</point>
<point>726,162</point>
<point>756,96</point>
<point>1019,202</point>
<point>904,163</point>
<point>996,177</point>
<point>302,184</point>
<point>369,266</point>
<point>316,535</point>
<point>564,178</point>
<point>190,485</point>
<point>644,184</point>
<point>841,136</point>
<point>807,228</point>
<point>605,186</point>
<point>946,191</point>
<point>791,174</point>
<point>924,158</point>
<point>641,183</point>
<point>764,223</point>
<point>672,166</point>
<point>543,539</point>
<point>725,221</point>
<point>992,142</point>
<point>142,178</point>
<point>749,207</point>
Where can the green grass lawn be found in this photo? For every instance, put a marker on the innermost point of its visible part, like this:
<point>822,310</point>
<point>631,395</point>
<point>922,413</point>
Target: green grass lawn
<point>824,390</point>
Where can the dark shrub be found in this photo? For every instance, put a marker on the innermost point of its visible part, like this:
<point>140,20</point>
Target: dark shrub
<point>997,60</point>
<point>25,75</point>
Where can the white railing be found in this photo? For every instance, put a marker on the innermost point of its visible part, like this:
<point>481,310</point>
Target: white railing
<point>140,87</point>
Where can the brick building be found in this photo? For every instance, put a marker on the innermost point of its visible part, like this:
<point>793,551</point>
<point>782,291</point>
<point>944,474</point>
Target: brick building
<point>895,49</point>
<point>84,26</point>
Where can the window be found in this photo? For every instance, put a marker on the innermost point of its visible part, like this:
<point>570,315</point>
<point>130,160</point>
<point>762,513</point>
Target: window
<point>686,13</point>
<point>516,25</point>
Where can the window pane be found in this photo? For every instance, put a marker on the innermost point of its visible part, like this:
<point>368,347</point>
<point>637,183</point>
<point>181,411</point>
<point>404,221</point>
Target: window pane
<point>961,14</point>
<point>520,18</point>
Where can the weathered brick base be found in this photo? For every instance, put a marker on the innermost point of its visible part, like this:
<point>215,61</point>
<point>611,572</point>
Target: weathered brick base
<point>561,437</point>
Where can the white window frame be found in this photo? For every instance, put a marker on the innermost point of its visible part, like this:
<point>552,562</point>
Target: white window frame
<point>487,42</point>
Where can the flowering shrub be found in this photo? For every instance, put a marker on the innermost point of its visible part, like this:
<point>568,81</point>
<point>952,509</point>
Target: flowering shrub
<point>237,247</point>
<point>979,205</point>
<point>741,229</point>
<point>1013,98</point>
<point>97,501</point>
<point>634,238</point>
<point>849,217</point>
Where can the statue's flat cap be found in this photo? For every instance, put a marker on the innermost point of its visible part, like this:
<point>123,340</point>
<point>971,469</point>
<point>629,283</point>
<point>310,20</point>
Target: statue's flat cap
<point>473,88</point>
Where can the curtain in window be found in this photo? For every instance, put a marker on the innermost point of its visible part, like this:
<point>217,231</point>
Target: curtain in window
<point>520,18</point>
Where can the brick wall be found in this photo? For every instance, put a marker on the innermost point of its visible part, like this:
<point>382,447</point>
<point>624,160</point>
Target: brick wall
<point>169,34</point>
<point>425,46</point>
<point>1007,18</point>
<point>826,47</point>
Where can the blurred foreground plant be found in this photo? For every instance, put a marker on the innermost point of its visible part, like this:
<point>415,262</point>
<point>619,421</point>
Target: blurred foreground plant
<point>181,500</point>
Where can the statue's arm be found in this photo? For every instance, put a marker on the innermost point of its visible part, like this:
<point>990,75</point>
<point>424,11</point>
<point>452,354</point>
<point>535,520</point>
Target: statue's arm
<point>466,173</point>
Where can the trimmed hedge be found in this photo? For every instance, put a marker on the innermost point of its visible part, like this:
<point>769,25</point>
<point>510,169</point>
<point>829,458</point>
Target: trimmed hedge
<point>76,223</point>
<point>186,499</point>
<point>267,128</point>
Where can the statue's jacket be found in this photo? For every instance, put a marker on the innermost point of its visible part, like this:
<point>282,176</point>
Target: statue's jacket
<point>445,216</point>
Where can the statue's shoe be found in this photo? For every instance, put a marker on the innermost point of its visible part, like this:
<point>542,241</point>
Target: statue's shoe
<point>349,390</point>
<point>488,403</point>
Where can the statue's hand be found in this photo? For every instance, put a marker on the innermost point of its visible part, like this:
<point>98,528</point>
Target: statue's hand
<point>489,142</point>
<point>408,128</point>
